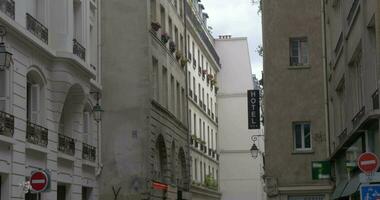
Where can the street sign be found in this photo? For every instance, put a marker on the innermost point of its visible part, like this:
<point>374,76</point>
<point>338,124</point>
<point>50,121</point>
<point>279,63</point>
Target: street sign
<point>368,162</point>
<point>39,181</point>
<point>320,170</point>
<point>373,178</point>
<point>370,192</point>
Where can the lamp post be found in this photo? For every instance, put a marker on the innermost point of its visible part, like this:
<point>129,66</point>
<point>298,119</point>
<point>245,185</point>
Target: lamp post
<point>254,149</point>
<point>5,56</point>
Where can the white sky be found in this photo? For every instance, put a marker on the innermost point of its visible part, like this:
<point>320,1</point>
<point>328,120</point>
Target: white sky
<point>238,18</point>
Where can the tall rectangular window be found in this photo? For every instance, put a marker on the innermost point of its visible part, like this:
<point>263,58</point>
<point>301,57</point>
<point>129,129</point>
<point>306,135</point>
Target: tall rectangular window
<point>357,83</point>
<point>155,80</point>
<point>200,128</point>
<point>302,136</point>
<point>165,86</point>
<point>170,28</point>
<point>299,52</point>
<point>201,170</point>
<point>183,105</point>
<point>196,169</point>
<point>3,90</point>
<point>195,124</point>
<point>172,94</point>
<point>78,21</point>
<point>208,137</point>
<point>204,132</point>
<point>178,104</point>
<point>190,122</point>
<point>163,18</point>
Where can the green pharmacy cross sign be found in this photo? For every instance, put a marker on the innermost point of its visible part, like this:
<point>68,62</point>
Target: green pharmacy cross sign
<point>320,170</point>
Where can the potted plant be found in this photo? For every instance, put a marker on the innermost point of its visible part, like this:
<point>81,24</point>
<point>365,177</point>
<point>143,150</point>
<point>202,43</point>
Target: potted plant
<point>178,55</point>
<point>165,38</point>
<point>204,71</point>
<point>155,26</point>
<point>210,76</point>
<point>213,81</point>
<point>172,46</point>
<point>184,61</point>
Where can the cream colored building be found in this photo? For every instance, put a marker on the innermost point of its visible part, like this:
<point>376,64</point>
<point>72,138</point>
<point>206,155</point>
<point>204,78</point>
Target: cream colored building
<point>352,74</point>
<point>295,112</point>
<point>203,67</point>
<point>240,174</point>
<point>46,98</point>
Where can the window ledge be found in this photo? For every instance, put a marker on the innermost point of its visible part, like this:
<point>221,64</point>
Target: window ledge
<point>299,67</point>
<point>302,152</point>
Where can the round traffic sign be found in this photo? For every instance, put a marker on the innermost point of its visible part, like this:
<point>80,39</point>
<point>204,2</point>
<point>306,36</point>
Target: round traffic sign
<point>39,181</point>
<point>368,162</point>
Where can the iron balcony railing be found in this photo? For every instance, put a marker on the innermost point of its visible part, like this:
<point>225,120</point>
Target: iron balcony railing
<point>79,50</point>
<point>89,152</point>
<point>66,145</point>
<point>37,28</point>
<point>6,124</point>
<point>36,134</point>
<point>8,7</point>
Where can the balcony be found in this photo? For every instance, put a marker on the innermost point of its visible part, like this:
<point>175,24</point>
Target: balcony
<point>8,8</point>
<point>89,152</point>
<point>66,145</point>
<point>200,103</point>
<point>36,134</point>
<point>6,124</point>
<point>37,28</point>
<point>79,50</point>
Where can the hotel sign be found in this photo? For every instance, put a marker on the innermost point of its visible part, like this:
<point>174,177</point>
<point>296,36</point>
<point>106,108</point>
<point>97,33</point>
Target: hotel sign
<point>253,109</point>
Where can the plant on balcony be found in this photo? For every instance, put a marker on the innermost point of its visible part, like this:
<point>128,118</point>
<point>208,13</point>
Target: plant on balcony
<point>204,72</point>
<point>172,47</point>
<point>178,55</point>
<point>210,76</point>
<point>210,182</point>
<point>184,61</point>
<point>213,82</point>
<point>155,26</point>
<point>165,38</point>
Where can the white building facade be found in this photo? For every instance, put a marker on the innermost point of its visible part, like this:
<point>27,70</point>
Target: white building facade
<point>46,98</point>
<point>240,174</point>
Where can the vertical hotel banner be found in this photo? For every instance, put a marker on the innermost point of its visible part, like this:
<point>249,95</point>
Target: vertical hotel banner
<point>253,109</point>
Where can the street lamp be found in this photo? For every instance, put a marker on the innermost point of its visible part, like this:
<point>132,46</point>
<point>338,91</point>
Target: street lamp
<point>97,109</point>
<point>5,56</point>
<point>254,149</point>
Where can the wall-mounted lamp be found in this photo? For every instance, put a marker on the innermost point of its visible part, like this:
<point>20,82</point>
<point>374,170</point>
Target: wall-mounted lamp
<point>97,109</point>
<point>5,56</point>
<point>254,149</point>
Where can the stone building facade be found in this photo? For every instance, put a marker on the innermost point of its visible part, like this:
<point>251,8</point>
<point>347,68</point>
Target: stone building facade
<point>46,98</point>
<point>202,70</point>
<point>352,76</point>
<point>145,140</point>
<point>295,112</point>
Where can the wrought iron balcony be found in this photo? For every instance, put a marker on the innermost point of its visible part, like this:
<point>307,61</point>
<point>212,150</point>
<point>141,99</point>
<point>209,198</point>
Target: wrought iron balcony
<point>89,152</point>
<point>37,28</point>
<point>66,145</point>
<point>8,7</point>
<point>79,50</point>
<point>36,134</point>
<point>6,124</point>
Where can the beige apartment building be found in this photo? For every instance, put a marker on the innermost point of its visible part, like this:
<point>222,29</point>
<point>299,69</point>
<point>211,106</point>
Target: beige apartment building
<point>294,115</point>
<point>202,71</point>
<point>352,73</point>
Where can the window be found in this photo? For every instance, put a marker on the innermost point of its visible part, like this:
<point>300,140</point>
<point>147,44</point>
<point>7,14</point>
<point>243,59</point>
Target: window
<point>163,21</point>
<point>155,79</point>
<point>170,28</point>
<point>339,107</point>
<point>201,170</point>
<point>78,19</point>
<point>165,86</point>
<point>195,124</point>
<point>172,95</point>
<point>196,169</point>
<point>298,51</point>
<point>178,104</point>
<point>302,136</point>
<point>34,97</point>
<point>357,83</point>
<point>200,128</point>
<point>87,125</point>
<point>3,90</point>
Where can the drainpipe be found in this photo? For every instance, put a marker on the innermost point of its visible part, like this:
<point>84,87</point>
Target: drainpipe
<point>325,79</point>
<point>377,26</point>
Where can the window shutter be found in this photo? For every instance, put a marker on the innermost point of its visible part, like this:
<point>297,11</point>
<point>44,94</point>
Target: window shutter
<point>3,90</point>
<point>34,104</point>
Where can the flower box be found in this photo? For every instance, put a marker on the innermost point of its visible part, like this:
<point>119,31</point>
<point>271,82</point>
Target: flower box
<point>165,38</point>
<point>155,26</point>
<point>172,47</point>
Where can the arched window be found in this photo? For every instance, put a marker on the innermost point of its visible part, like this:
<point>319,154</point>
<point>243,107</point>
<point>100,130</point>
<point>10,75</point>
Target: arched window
<point>35,97</point>
<point>161,159</point>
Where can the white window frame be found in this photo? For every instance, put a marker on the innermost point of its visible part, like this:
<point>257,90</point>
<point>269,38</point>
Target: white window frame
<point>303,148</point>
<point>302,51</point>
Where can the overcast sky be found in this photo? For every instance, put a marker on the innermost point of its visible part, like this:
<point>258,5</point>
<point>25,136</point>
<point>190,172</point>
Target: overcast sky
<point>238,18</point>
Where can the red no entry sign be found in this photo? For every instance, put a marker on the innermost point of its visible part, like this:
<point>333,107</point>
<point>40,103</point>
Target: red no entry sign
<point>39,181</point>
<point>368,162</point>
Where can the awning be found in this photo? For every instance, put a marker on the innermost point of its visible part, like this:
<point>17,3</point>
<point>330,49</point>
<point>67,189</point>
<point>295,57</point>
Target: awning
<point>352,186</point>
<point>339,190</point>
